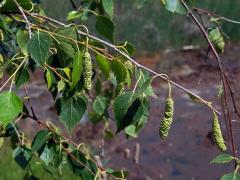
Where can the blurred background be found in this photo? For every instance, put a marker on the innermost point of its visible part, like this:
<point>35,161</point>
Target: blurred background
<point>152,28</point>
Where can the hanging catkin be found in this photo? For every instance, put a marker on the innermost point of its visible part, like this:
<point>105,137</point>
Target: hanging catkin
<point>167,119</point>
<point>87,65</point>
<point>216,38</point>
<point>120,88</point>
<point>217,134</point>
<point>128,64</point>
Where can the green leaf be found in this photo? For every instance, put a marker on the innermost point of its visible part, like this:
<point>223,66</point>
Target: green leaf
<point>86,174</point>
<point>22,156</point>
<point>22,40</point>
<point>38,47</point>
<point>10,107</point>
<point>100,104</point>
<point>222,158</point>
<point>119,70</point>
<point>48,154</point>
<point>72,111</point>
<point>103,64</point>
<point>143,87</point>
<point>120,106</point>
<point>67,72</point>
<point>1,142</point>
<point>1,66</point>
<point>140,118</point>
<point>73,162</point>
<point>81,166</point>
<point>174,6</point>
<point>40,139</point>
<point>142,114</point>
<point>144,84</point>
<point>67,50</point>
<point>60,85</point>
<point>49,79</point>
<point>108,7</point>
<point>69,32</point>
<point>73,15</point>
<point>131,131</point>
<point>127,47</point>
<point>65,53</point>
<point>67,45</point>
<point>105,27</point>
<point>125,108</point>
<point>194,98</point>
<point>77,68</point>
<point>22,77</point>
<point>10,7</point>
<point>231,176</point>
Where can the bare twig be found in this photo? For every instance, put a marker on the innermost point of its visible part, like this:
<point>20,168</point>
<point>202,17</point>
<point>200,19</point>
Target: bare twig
<point>14,74</point>
<point>25,17</point>
<point>74,6</point>
<point>203,11</point>
<point>232,94</point>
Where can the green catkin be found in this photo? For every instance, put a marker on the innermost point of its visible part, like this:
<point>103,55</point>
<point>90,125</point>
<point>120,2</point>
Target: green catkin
<point>1,36</point>
<point>219,43</point>
<point>1,66</point>
<point>217,134</point>
<point>87,65</point>
<point>216,38</point>
<point>120,88</point>
<point>128,64</point>
<point>167,119</point>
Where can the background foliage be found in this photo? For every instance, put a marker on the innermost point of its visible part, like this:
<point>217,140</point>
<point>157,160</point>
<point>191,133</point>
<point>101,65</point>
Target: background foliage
<point>161,28</point>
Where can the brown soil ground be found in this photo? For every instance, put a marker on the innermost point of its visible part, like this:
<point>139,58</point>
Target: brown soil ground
<point>189,148</point>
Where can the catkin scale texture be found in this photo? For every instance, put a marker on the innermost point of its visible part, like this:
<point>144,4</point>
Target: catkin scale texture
<point>120,88</point>
<point>217,134</point>
<point>128,64</point>
<point>87,65</point>
<point>217,39</point>
<point>167,119</point>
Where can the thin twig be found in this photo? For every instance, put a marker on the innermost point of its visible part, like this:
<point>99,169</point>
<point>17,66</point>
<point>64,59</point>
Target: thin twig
<point>203,11</point>
<point>13,75</point>
<point>43,124</point>
<point>25,17</point>
<point>74,6</point>
<point>133,61</point>
<point>232,97</point>
<point>220,69</point>
<point>29,101</point>
<point>203,68</point>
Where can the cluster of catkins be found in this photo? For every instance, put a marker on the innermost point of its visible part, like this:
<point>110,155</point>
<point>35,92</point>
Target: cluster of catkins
<point>168,119</point>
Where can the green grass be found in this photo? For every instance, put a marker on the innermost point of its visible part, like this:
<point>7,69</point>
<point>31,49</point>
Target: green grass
<point>9,170</point>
